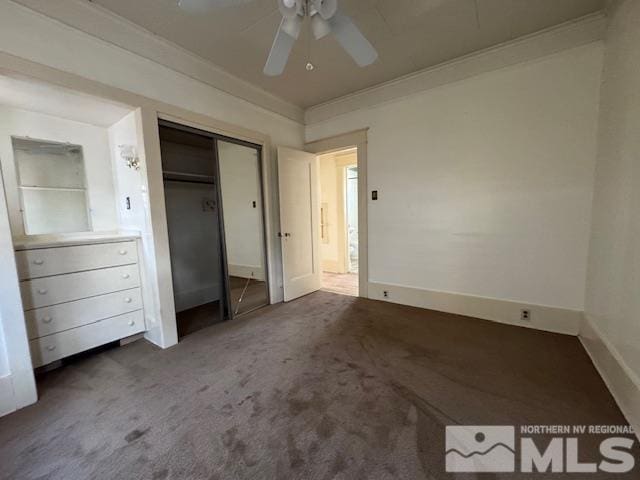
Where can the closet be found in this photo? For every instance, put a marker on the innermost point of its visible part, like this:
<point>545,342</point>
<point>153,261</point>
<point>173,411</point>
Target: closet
<point>215,220</point>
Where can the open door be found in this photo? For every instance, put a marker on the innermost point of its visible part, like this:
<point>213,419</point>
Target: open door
<point>298,180</point>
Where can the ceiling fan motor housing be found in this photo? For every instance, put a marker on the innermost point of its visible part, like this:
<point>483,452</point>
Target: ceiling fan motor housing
<point>326,8</point>
<point>291,8</point>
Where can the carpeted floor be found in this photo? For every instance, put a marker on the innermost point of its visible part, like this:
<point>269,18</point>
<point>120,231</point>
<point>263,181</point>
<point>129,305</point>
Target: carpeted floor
<point>247,294</point>
<point>328,386</point>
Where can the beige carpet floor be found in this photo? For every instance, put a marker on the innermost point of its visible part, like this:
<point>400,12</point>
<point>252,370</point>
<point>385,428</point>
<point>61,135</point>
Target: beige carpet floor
<point>247,295</point>
<point>326,387</point>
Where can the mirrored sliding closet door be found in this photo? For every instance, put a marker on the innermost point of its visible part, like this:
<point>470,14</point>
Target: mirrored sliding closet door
<point>241,191</point>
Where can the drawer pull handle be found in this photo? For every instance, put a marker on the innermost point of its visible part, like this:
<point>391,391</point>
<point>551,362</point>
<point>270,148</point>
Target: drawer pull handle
<point>47,320</point>
<point>125,275</point>
<point>122,252</point>
<point>127,300</point>
<point>38,262</point>
<point>42,291</point>
<point>51,348</point>
<point>131,323</point>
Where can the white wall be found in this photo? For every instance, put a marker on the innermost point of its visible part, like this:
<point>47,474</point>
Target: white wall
<point>95,144</point>
<point>613,286</point>
<point>17,383</point>
<point>4,361</point>
<point>132,183</point>
<point>485,185</point>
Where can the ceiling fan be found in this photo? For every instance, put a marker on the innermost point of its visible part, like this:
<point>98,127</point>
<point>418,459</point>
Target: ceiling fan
<point>324,17</point>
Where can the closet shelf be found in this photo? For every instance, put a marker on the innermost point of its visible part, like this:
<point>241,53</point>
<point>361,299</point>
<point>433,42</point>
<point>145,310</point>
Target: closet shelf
<point>188,177</point>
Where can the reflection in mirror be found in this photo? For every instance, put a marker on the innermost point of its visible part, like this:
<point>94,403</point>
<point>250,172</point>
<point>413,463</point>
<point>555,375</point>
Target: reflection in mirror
<point>240,182</point>
<point>52,185</point>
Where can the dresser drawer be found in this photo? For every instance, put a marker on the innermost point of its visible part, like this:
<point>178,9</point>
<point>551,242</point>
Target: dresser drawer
<point>43,292</point>
<point>54,261</point>
<point>57,318</point>
<point>59,345</point>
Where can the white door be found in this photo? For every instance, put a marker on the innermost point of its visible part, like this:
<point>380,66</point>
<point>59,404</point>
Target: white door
<point>299,184</point>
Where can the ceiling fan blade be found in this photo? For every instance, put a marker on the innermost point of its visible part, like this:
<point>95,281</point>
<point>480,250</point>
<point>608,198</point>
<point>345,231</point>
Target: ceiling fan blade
<point>280,50</point>
<point>352,40</point>
<point>204,6</point>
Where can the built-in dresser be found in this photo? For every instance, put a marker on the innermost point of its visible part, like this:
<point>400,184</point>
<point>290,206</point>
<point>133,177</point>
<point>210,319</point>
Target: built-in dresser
<point>79,294</point>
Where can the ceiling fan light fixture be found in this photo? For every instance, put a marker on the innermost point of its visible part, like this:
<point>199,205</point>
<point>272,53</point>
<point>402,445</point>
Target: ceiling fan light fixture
<point>320,27</point>
<point>326,8</point>
<point>290,8</point>
<point>324,19</point>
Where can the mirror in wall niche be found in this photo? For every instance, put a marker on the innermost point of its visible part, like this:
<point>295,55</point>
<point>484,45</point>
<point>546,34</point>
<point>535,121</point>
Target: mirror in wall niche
<point>52,186</point>
<point>241,188</point>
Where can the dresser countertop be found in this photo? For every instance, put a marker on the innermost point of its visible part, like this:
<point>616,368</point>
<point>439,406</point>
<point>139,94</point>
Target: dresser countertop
<point>65,240</point>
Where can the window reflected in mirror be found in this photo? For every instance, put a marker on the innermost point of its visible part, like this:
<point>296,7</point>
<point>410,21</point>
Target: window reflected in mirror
<point>241,188</point>
<point>52,185</point>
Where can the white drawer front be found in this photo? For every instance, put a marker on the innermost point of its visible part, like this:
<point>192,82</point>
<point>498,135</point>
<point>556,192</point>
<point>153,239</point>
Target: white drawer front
<point>57,318</point>
<point>43,292</point>
<point>59,345</point>
<point>54,261</point>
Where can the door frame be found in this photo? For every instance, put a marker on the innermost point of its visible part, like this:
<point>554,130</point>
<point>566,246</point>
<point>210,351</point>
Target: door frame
<point>356,139</point>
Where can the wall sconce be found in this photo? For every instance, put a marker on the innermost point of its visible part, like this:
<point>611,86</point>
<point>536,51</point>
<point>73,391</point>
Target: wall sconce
<point>128,154</point>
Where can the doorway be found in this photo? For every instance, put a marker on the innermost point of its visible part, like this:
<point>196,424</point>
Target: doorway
<point>339,221</point>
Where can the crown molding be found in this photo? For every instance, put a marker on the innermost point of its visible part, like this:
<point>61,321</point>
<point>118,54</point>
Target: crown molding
<point>588,29</point>
<point>122,33</point>
<point>116,30</point>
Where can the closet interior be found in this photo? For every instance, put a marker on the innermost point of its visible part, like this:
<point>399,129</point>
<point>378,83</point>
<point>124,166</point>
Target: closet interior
<point>215,219</point>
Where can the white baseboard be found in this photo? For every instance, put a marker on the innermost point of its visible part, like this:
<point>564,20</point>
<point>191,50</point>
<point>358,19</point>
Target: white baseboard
<point>7,398</point>
<point>551,319</point>
<point>247,271</point>
<point>622,381</point>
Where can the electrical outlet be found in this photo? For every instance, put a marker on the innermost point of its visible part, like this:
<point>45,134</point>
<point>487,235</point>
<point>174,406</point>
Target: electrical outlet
<point>525,315</point>
<point>385,294</point>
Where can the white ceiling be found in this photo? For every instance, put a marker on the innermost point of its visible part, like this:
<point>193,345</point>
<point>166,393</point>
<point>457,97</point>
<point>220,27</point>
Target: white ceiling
<point>410,35</point>
<point>26,94</point>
